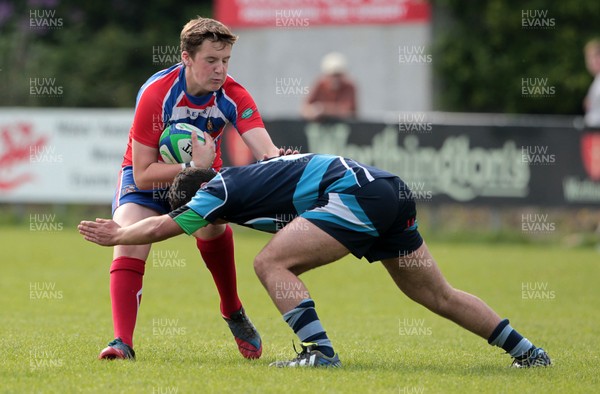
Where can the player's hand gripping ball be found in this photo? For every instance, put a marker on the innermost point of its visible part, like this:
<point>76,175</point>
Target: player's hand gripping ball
<point>175,143</point>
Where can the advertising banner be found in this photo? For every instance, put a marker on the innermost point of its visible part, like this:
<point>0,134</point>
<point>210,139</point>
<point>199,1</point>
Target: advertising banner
<point>74,156</point>
<point>61,155</point>
<point>477,164</point>
<point>307,13</point>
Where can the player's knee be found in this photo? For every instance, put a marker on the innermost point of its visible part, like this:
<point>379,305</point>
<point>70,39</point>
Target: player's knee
<point>266,262</point>
<point>261,266</point>
<point>135,251</point>
<point>210,232</point>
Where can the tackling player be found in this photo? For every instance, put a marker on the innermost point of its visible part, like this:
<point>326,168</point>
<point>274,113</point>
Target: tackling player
<point>334,206</point>
<point>197,91</point>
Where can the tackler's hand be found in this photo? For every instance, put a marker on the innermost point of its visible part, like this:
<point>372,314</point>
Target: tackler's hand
<point>102,231</point>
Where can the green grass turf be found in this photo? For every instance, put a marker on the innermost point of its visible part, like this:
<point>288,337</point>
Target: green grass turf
<point>50,345</point>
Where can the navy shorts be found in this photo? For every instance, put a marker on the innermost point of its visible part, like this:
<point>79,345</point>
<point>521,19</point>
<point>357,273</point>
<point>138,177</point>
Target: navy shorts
<point>377,221</point>
<point>127,192</point>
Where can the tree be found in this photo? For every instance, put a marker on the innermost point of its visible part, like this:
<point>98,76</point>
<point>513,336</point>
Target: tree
<point>93,54</point>
<point>519,56</point>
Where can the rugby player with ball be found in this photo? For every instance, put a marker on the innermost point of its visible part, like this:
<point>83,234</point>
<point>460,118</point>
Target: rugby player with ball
<point>197,91</point>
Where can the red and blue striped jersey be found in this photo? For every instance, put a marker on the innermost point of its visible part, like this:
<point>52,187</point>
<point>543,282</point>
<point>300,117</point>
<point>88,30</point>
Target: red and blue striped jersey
<point>163,100</point>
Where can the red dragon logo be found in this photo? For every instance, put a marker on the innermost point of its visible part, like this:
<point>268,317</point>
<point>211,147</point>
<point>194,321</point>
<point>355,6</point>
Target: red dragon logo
<point>17,141</point>
<point>590,154</point>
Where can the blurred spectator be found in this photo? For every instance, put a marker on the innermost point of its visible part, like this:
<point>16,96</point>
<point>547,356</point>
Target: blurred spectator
<point>591,103</point>
<point>334,94</point>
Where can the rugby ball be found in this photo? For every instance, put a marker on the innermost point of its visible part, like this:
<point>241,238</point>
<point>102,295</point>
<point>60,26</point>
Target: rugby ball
<point>175,143</point>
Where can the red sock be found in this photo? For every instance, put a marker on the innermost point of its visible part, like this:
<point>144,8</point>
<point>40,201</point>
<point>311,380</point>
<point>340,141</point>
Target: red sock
<point>219,259</point>
<point>126,274</point>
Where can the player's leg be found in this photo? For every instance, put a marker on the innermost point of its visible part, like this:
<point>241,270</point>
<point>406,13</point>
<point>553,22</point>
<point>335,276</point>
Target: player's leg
<point>130,205</point>
<point>215,243</point>
<point>126,278</point>
<point>298,247</point>
<point>419,277</point>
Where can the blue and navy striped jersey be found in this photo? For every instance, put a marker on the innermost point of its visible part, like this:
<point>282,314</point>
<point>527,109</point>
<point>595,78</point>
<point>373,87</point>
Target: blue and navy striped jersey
<point>269,194</point>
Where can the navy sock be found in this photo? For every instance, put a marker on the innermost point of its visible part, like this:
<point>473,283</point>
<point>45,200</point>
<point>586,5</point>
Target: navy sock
<point>304,321</point>
<point>510,340</point>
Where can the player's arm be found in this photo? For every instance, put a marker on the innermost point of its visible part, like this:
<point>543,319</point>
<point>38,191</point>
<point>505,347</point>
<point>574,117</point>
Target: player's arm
<point>153,229</point>
<point>108,233</point>
<point>150,174</point>
<point>260,143</point>
<point>147,126</point>
<point>248,122</point>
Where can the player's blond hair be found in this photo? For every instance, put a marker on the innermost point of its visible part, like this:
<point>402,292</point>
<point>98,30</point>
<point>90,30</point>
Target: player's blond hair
<point>592,46</point>
<point>197,30</point>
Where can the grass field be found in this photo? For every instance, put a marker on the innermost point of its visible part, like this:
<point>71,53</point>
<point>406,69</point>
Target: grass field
<point>55,315</point>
